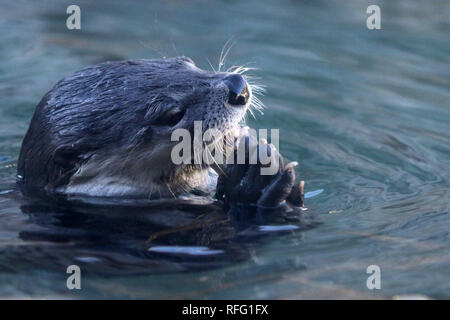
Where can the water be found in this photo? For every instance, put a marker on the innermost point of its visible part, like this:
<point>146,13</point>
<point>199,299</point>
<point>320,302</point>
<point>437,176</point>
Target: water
<point>366,113</point>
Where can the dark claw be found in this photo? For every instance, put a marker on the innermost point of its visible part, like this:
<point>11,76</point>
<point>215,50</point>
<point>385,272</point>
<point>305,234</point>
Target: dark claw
<point>297,195</point>
<point>278,190</point>
<point>243,184</point>
<point>220,188</point>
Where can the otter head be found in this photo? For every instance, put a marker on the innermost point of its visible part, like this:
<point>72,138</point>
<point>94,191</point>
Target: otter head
<point>188,97</point>
<point>106,130</point>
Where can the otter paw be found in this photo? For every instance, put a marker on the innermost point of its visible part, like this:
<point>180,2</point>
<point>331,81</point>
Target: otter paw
<point>259,181</point>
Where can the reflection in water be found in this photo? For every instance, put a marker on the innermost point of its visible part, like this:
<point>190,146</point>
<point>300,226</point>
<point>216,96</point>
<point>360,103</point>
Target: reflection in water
<point>364,112</point>
<point>122,237</point>
<point>195,251</point>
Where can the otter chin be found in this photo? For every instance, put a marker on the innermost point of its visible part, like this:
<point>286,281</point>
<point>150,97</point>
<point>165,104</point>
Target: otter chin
<point>106,129</point>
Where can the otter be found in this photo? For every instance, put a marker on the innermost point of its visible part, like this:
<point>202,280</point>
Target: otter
<point>105,131</point>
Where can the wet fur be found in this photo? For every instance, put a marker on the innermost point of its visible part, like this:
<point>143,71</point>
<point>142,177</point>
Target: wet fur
<point>103,130</point>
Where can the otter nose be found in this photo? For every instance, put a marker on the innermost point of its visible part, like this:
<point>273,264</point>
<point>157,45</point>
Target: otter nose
<point>238,95</point>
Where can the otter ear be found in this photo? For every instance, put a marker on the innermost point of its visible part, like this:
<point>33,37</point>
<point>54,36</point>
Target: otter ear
<point>66,161</point>
<point>67,155</point>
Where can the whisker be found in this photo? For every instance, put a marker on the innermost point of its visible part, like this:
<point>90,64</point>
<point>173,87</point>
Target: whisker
<point>223,55</point>
<point>211,65</point>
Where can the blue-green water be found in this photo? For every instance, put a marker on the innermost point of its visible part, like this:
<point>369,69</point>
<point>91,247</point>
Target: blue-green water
<point>365,112</point>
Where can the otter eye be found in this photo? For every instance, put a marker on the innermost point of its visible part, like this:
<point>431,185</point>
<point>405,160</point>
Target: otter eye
<point>156,114</point>
<point>172,117</point>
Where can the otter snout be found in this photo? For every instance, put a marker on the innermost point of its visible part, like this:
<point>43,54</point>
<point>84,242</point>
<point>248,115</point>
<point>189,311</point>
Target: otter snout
<point>238,90</point>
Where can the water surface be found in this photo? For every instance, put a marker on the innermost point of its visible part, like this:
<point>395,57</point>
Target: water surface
<point>366,114</point>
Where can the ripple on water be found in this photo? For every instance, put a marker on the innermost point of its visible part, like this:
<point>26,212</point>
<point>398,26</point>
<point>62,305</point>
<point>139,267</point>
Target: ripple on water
<point>193,251</point>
